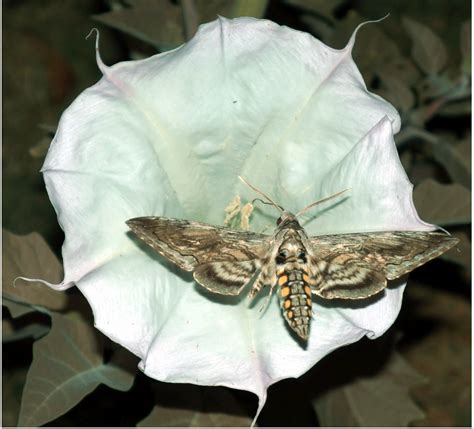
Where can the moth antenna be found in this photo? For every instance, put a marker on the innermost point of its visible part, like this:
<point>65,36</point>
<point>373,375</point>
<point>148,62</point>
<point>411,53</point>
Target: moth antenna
<point>261,193</point>
<point>320,201</point>
<point>264,202</point>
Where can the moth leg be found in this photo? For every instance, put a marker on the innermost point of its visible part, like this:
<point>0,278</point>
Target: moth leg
<point>267,301</point>
<point>256,288</point>
<point>266,277</point>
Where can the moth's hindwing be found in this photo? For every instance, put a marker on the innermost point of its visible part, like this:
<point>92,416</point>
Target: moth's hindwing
<point>350,281</point>
<point>223,260</point>
<point>355,266</point>
<point>226,277</point>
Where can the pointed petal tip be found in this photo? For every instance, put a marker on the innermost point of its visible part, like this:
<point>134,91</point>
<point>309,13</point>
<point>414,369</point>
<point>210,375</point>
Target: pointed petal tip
<point>102,67</point>
<point>58,287</point>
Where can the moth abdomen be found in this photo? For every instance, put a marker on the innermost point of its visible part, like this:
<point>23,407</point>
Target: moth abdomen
<point>295,300</point>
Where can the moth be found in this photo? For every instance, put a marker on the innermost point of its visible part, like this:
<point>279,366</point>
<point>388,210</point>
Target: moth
<point>347,266</point>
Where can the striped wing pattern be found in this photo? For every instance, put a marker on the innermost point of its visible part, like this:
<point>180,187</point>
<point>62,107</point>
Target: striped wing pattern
<point>348,266</point>
<point>223,260</point>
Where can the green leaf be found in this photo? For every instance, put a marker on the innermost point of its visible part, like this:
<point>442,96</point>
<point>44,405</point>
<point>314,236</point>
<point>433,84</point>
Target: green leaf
<point>465,44</point>
<point>29,256</point>
<point>13,381</point>
<point>380,400</point>
<point>156,23</point>
<point>324,8</point>
<point>25,327</point>
<point>443,204</point>
<point>398,93</point>
<point>429,51</point>
<point>455,157</point>
<point>401,68</point>
<point>255,8</point>
<point>17,309</point>
<point>435,86</point>
<point>196,406</point>
<point>461,253</point>
<point>67,365</point>
<point>160,23</point>
<point>459,108</point>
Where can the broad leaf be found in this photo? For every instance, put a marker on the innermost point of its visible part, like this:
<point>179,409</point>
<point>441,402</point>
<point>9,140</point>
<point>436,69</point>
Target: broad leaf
<point>443,204</point>
<point>440,348</point>
<point>200,407</point>
<point>398,93</point>
<point>381,400</point>
<point>13,381</point>
<point>465,44</point>
<point>323,8</point>
<point>160,23</point>
<point>29,256</point>
<point>461,254</point>
<point>455,157</point>
<point>428,50</point>
<point>67,365</point>
<point>457,108</point>
<point>17,309</point>
<point>157,23</point>
<point>24,327</point>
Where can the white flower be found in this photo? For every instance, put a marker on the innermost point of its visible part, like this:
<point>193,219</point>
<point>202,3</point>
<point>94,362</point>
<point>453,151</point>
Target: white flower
<point>168,136</point>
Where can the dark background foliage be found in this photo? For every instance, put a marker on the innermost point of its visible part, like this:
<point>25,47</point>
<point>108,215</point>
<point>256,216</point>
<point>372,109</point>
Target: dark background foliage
<point>416,374</point>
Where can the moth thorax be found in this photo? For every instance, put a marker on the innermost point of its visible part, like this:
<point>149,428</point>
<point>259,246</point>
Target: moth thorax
<point>291,251</point>
<point>295,300</point>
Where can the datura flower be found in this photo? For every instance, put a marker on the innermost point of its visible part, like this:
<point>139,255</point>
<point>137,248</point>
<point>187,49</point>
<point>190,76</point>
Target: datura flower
<point>169,136</point>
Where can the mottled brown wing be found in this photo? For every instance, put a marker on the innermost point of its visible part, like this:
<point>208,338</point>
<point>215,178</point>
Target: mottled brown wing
<point>354,266</point>
<point>223,260</point>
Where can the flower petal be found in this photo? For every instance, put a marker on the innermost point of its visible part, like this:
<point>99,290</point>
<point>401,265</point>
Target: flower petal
<point>379,196</point>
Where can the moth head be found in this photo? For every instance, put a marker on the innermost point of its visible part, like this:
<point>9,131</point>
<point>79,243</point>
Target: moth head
<point>285,218</point>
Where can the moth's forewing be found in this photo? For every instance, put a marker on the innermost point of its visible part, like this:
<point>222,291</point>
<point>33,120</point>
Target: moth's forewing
<point>223,259</point>
<point>160,234</point>
<point>424,246</point>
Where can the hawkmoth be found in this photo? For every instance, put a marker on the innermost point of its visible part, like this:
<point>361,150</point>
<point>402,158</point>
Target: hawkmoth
<point>347,266</point>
